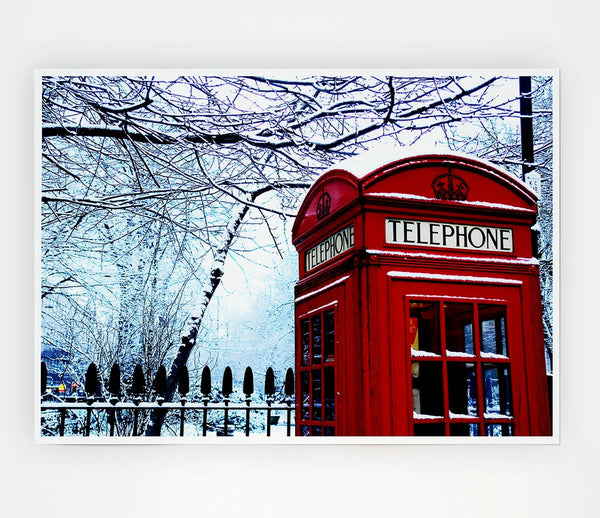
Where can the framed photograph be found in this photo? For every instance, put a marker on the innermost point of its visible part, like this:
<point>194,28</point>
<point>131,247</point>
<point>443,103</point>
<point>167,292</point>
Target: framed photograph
<point>297,256</point>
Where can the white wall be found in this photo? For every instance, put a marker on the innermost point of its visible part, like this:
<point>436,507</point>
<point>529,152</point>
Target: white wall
<point>548,481</point>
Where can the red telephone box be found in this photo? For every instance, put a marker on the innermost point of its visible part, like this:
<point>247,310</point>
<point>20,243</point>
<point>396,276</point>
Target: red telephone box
<point>418,308</point>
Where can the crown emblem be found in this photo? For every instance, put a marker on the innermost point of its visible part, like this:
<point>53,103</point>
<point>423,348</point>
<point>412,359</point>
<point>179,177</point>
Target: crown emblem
<point>450,187</point>
<point>323,205</point>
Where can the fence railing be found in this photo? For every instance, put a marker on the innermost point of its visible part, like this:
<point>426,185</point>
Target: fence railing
<point>222,412</point>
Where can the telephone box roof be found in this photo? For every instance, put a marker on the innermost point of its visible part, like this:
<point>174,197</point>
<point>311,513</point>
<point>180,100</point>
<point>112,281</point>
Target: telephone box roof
<point>368,173</point>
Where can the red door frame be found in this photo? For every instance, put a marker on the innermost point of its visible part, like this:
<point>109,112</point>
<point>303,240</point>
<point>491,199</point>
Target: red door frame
<point>315,302</point>
<point>480,291</point>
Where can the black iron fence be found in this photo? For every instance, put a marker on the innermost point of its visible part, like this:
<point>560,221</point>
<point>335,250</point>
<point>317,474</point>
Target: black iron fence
<point>127,409</point>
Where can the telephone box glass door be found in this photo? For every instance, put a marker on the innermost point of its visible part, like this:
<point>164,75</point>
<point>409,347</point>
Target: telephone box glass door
<point>460,367</point>
<point>317,372</point>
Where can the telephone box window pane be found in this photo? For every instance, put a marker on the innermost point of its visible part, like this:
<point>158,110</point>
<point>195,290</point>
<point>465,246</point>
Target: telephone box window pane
<point>315,323</point>
<point>424,326</point>
<point>316,394</point>
<point>492,323</point>
<point>305,394</point>
<point>459,327</point>
<point>464,429</point>
<point>499,430</point>
<point>468,333</point>
<point>429,430</point>
<point>329,335</point>
<point>462,389</point>
<point>316,430</point>
<point>329,394</point>
<point>305,342</point>
<point>496,387</point>
<point>428,391</point>
<point>329,430</point>
<point>304,431</point>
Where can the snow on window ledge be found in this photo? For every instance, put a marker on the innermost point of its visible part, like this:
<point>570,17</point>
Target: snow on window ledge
<point>496,416</point>
<point>422,354</point>
<point>493,356</point>
<point>458,354</point>
<point>422,417</point>
<point>463,416</point>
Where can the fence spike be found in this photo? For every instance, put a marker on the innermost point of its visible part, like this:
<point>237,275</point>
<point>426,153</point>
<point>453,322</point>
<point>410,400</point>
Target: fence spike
<point>248,382</point>
<point>227,387</point>
<point>138,384</point>
<point>160,382</point>
<point>270,382</point>
<point>44,379</point>
<point>205,382</point>
<point>289,383</point>
<point>184,381</point>
<point>114,380</point>
<point>91,380</point>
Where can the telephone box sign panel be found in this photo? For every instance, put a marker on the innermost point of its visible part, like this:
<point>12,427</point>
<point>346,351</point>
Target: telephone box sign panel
<point>329,248</point>
<point>448,235</point>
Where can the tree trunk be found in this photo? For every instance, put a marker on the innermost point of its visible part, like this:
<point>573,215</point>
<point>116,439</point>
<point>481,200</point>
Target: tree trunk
<point>188,340</point>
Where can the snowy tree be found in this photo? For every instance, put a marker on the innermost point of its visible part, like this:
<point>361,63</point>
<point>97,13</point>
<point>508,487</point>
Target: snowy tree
<point>150,184</point>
